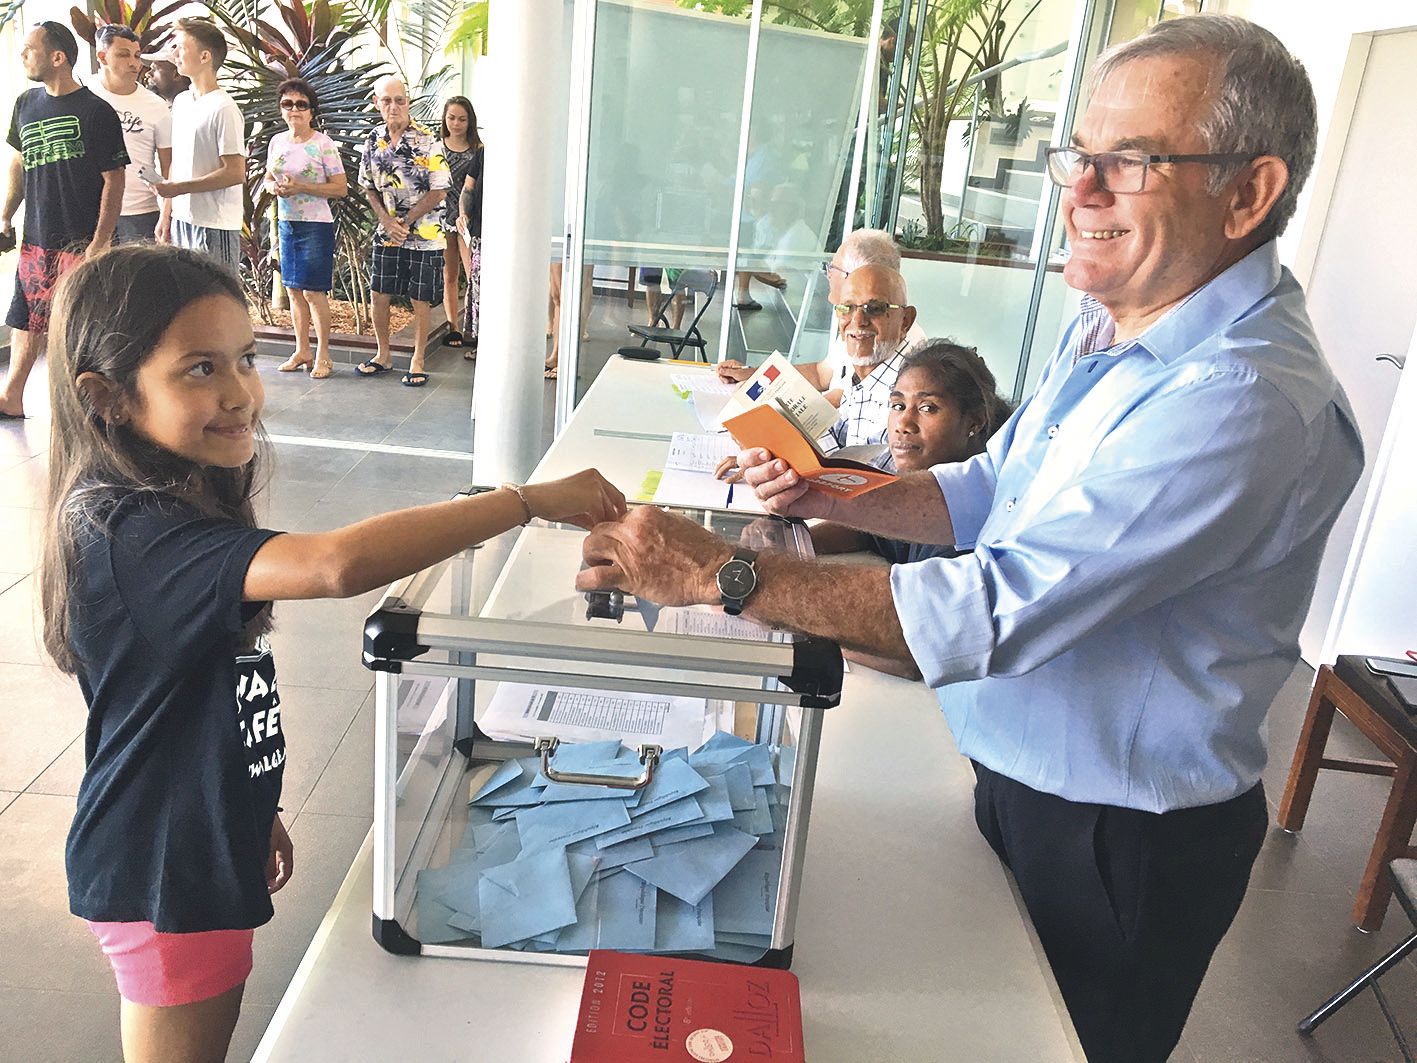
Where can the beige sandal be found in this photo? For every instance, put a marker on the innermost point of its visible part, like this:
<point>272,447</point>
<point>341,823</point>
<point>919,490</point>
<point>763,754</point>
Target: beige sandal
<point>322,369</point>
<point>294,364</point>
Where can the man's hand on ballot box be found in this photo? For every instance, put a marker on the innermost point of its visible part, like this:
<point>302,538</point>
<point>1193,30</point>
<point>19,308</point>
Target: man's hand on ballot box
<point>652,554</point>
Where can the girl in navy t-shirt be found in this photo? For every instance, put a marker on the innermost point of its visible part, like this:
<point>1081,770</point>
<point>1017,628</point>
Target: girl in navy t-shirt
<point>157,588</point>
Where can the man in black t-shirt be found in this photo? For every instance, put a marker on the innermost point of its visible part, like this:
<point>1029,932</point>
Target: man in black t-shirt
<point>69,172</point>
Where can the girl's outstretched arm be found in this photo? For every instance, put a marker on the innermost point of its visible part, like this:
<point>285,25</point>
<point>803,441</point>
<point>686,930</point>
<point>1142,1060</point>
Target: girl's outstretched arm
<point>375,552</point>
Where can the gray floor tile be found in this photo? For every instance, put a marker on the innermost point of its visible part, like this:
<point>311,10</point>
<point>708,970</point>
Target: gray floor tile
<point>21,530</point>
<point>341,508</point>
<point>315,721</point>
<point>403,472</point>
<point>20,625</point>
<point>45,1026</point>
<point>28,437</point>
<point>24,485</point>
<point>42,946</point>
<point>249,1029</point>
<point>446,431</point>
<point>63,776</point>
<point>324,848</point>
<point>42,712</point>
<point>347,786</point>
<point>317,644</point>
<point>1285,954</point>
<point>356,426</point>
<point>321,466</point>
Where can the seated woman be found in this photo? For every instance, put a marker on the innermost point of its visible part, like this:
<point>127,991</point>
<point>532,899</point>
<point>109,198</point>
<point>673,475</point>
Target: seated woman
<point>944,407</point>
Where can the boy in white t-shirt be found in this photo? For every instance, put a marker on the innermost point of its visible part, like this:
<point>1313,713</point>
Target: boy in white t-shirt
<point>208,149</point>
<point>147,131</point>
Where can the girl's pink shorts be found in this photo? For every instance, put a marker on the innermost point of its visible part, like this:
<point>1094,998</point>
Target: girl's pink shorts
<point>163,970</point>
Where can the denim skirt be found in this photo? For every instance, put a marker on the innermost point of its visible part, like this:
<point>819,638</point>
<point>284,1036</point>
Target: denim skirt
<point>307,255</point>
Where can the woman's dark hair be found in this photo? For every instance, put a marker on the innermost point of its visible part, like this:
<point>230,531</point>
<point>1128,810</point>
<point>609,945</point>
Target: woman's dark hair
<point>303,88</point>
<point>959,372</point>
<point>109,315</point>
<point>473,140</point>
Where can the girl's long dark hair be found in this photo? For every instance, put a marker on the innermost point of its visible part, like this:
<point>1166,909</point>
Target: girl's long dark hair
<point>959,372</point>
<point>473,140</point>
<point>109,315</point>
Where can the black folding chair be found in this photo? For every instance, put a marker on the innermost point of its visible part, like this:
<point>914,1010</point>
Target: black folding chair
<point>691,282</point>
<point>1404,880</point>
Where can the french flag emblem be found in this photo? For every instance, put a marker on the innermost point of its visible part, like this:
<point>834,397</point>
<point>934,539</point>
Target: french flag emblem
<point>755,391</point>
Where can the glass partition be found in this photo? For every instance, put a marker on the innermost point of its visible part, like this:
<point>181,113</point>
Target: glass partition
<point>742,138</point>
<point>666,87</point>
<point>802,120</point>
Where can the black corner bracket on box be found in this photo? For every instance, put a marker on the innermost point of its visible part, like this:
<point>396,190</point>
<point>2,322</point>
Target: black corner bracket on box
<point>394,938</point>
<point>816,672</point>
<point>391,637</point>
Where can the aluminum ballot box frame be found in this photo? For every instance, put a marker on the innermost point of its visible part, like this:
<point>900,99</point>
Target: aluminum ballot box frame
<point>739,703</point>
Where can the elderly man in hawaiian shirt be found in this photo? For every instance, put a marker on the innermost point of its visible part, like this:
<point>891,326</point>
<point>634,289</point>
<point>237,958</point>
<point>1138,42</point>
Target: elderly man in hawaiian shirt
<point>405,179</point>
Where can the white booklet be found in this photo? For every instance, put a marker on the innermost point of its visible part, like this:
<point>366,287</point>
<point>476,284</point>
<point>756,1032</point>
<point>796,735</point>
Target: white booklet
<point>778,382</point>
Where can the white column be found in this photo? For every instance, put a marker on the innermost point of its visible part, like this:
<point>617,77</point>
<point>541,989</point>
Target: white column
<point>518,104</point>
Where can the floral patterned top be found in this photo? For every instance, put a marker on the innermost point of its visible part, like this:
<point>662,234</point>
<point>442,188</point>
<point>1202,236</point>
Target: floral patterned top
<point>316,160</point>
<point>404,173</point>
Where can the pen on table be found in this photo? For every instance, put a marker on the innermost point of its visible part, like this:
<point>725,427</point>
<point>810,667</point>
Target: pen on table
<point>730,494</point>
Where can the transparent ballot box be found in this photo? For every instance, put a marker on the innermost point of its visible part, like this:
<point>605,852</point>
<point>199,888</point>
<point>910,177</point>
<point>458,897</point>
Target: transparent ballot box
<point>558,771</point>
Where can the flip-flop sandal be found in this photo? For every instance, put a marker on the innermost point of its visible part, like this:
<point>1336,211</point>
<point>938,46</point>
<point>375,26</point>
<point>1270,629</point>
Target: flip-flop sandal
<point>414,380</point>
<point>748,304</point>
<point>369,367</point>
<point>471,353</point>
<point>550,373</point>
<point>453,339</point>
<point>11,416</point>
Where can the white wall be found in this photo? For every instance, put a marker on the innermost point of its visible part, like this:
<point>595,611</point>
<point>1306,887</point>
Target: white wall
<point>1319,33</point>
<point>1330,41</point>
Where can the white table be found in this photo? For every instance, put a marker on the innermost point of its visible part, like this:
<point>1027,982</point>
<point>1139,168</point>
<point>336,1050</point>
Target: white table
<point>911,945</point>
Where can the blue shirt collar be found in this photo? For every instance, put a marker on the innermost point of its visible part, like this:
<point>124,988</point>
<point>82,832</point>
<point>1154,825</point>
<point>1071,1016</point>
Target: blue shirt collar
<point>1219,302</point>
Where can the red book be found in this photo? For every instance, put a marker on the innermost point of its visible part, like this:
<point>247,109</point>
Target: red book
<point>647,1009</point>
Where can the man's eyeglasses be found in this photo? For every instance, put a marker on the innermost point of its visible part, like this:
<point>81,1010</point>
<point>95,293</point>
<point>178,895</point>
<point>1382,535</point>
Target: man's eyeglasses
<point>294,105</point>
<point>827,268</point>
<point>872,308</point>
<point>1122,172</point>
<point>397,101</point>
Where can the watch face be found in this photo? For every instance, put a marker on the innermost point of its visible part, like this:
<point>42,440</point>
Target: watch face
<point>736,579</point>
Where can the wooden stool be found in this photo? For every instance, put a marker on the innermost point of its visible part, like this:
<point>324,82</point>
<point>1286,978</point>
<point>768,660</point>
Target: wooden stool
<point>1370,705</point>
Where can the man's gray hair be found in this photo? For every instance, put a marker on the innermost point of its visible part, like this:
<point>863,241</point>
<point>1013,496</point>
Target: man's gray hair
<point>1263,102</point>
<point>869,247</point>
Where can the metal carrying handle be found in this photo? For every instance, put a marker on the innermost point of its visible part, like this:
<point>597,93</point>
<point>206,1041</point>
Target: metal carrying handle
<point>649,757</point>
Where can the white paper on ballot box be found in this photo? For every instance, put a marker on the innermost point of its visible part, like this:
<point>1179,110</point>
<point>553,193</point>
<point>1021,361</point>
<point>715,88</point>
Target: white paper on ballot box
<point>523,711</point>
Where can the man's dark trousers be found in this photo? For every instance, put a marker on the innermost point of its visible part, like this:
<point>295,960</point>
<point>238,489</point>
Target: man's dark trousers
<point>1129,905</point>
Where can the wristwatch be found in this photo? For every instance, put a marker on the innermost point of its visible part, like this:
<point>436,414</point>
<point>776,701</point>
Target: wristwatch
<point>737,579</point>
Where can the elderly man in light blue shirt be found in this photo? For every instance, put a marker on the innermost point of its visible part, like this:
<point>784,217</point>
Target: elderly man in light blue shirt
<point>1146,533</point>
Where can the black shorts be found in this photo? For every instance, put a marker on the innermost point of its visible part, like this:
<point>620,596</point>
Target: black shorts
<point>36,274</point>
<point>417,274</point>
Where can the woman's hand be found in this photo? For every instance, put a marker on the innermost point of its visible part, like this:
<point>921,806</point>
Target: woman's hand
<point>585,499</point>
<point>280,865</point>
<point>731,371</point>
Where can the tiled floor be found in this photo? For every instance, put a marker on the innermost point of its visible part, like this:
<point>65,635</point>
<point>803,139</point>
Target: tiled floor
<point>1291,946</point>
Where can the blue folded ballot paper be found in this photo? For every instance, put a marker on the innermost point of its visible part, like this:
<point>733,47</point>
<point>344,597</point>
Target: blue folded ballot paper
<point>528,897</point>
<point>746,899</point>
<point>564,822</point>
<point>685,810</point>
<point>689,870</point>
<point>689,863</point>
<point>681,927</point>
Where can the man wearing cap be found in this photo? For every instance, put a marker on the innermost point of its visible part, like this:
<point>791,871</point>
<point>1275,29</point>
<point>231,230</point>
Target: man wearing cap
<point>68,171</point>
<point>147,130</point>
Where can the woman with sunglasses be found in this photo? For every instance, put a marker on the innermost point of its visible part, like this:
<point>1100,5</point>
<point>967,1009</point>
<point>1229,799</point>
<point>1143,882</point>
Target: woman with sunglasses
<point>304,170</point>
